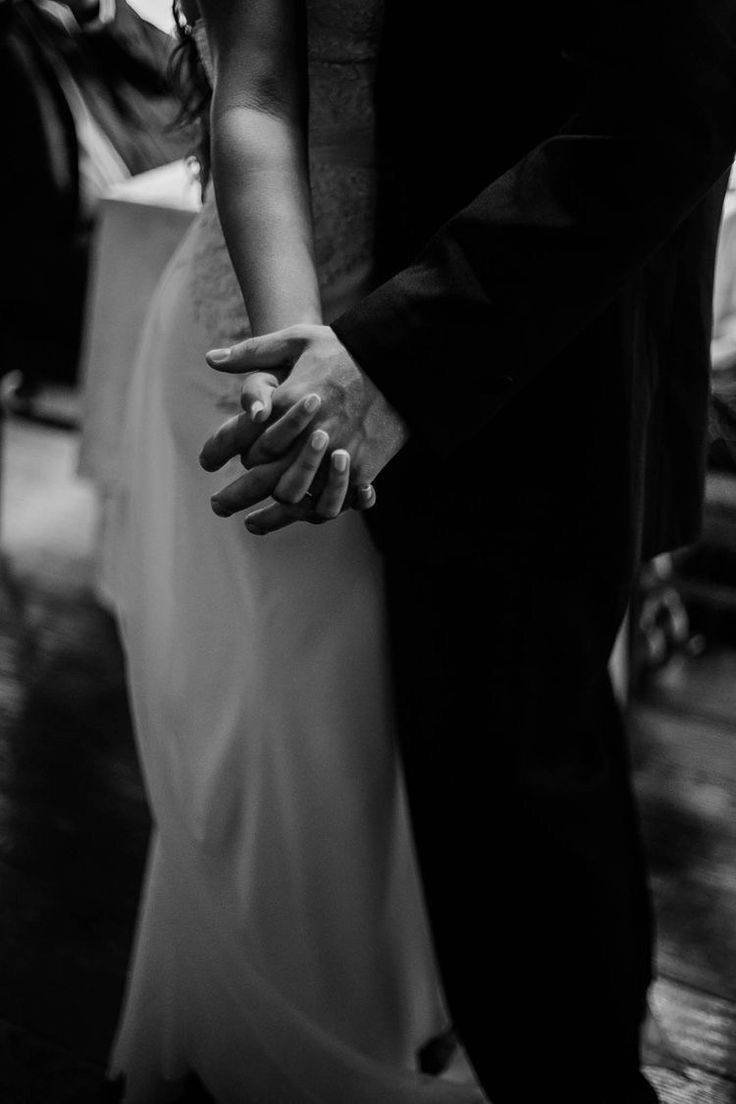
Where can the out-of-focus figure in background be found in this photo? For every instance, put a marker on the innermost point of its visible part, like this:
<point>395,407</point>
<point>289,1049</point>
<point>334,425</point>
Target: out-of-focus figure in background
<point>685,598</point>
<point>722,455</point>
<point>86,103</point>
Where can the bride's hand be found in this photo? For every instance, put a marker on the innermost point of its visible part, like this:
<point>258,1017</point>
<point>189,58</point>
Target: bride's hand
<point>316,505</point>
<point>310,488</point>
<point>237,435</point>
<point>312,365</point>
<point>306,485</point>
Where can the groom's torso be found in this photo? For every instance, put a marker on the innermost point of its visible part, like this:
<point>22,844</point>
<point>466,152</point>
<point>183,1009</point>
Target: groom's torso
<point>614,428</point>
<point>463,91</point>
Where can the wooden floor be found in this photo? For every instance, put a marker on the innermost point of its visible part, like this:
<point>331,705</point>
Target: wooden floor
<point>74,824</point>
<point>686,780</point>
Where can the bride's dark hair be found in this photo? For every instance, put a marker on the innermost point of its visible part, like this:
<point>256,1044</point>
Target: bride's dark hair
<point>189,80</point>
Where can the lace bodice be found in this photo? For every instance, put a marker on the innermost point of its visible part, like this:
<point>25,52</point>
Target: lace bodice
<point>342,40</point>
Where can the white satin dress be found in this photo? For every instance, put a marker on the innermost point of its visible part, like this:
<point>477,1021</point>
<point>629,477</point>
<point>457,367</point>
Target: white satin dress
<point>282,950</point>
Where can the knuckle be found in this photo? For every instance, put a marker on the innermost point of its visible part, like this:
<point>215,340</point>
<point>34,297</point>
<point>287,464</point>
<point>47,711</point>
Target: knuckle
<point>362,500</point>
<point>286,399</point>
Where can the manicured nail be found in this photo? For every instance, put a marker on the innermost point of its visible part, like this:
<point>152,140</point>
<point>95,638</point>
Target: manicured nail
<point>311,403</point>
<point>340,461</point>
<point>256,409</point>
<point>218,508</point>
<point>218,356</point>
<point>319,439</point>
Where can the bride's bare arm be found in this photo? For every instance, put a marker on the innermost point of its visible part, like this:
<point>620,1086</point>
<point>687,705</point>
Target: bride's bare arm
<point>259,155</point>
<point>261,178</point>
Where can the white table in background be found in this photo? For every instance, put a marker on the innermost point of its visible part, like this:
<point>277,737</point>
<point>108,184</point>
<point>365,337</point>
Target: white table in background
<point>140,223</point>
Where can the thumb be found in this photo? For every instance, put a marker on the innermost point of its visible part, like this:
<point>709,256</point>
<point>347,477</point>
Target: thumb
<point>277,350</point>
<point>256,395</point>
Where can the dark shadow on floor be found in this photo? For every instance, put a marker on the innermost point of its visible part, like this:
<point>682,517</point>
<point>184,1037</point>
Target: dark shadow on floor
<point>73,833</point>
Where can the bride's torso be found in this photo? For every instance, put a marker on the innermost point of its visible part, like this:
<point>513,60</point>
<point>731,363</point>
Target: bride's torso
<point>342,41</point>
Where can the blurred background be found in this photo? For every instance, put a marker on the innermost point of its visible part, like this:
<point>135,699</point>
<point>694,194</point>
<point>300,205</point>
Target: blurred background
<point>97,193</point>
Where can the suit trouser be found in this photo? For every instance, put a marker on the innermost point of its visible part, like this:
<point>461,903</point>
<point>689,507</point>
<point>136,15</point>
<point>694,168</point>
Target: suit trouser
<point>526,830</point>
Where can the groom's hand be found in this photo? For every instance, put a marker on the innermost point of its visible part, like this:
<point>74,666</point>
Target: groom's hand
<point>284,370</point>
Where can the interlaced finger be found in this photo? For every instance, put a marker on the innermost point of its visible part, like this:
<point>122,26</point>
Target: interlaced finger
<point>233,438</point>
<point>331,499</point>
<point>276,352</point>
<point>297,479</point>
<point>256,395</point>
<point>280,436</point>
<point>250,488</point>
<point>277,515</point>
<point>364,497</point>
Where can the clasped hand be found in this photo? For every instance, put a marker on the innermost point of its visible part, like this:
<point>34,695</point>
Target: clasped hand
<point>314,432</point>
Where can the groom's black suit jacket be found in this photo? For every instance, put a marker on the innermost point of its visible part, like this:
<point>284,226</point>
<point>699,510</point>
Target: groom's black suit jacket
<point>550,199</point>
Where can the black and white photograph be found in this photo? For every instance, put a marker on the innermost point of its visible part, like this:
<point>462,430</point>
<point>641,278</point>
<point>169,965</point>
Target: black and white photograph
<point>368,552</point>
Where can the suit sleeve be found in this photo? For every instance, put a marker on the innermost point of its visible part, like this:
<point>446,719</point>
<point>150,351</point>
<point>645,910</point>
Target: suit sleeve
<point>512,279</point>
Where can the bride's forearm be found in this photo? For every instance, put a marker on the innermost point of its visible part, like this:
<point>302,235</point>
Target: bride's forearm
<point>259,155</point>
<point>262,189</point>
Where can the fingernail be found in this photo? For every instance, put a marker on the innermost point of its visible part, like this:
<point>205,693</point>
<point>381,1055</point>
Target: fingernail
<point>256,409</point>
<point>311,403</point>
<point>218,356</point>
<point>253,527</point>
<point>319,439</point>
<point>219,509</point>
<point>340,461</point>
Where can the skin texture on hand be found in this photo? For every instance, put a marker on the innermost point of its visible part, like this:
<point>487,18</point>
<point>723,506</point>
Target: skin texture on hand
<point>302,392</point>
